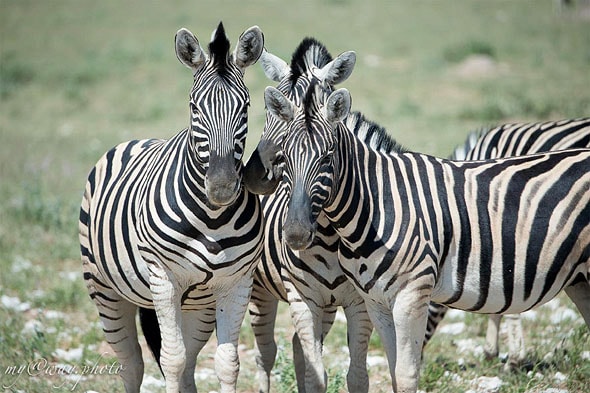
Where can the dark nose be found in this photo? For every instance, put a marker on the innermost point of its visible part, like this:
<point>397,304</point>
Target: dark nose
<point>297,235</point>
<point>298,229</point>
<point>261,174</point>
<point>222,182</point>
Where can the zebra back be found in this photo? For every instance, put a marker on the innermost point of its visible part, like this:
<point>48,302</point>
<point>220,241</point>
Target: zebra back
<point>514,139</point>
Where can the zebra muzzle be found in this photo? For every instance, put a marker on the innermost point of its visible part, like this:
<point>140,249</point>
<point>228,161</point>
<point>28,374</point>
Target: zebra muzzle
<point>297,236</point>
<point>298,228</point>
<point>262,173</point>
<point>222,182</point>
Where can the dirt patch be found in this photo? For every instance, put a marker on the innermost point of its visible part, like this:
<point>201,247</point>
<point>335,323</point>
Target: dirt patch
<point>478,66</point>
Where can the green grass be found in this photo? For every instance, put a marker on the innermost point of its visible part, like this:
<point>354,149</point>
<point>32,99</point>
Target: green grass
<point>458,52</point>
<point>77,77</point>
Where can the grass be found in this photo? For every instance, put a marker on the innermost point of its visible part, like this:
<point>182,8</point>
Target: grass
<point>462,51</point>
<point>77,77</point>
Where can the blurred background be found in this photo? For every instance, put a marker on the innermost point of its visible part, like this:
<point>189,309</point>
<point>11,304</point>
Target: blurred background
<point>77,77</point>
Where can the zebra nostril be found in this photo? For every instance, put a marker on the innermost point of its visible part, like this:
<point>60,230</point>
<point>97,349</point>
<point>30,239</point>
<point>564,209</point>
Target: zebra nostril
<point>222,193</point>
<point>297,236</point>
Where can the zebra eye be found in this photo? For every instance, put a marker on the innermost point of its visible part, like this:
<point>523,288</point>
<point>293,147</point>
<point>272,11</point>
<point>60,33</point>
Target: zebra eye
<point>279,158</point>
<point>326,158</point>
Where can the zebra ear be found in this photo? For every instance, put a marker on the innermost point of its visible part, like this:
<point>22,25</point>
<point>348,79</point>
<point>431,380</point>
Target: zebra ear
<point>274,67</point>
<point>188,50</point>
<point>278,105</point>
<point>249,48</point>
<point>339,69</point>
<point>338,105</point>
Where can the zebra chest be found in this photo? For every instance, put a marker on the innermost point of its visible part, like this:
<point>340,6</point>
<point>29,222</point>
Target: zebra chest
<point>195,255</point>
<point>370,274</point>
<point>315,267</point>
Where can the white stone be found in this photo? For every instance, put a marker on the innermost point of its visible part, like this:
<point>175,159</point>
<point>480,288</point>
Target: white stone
<point>452,328</point>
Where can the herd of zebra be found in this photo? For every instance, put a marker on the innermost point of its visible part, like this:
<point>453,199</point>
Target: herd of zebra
<point>347,218</point>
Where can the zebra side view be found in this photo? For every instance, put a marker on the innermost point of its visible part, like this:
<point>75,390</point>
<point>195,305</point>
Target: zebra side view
<point>166,225</point>
<point>311,281</point>
<point>414,228</point>
<point>510,140</point>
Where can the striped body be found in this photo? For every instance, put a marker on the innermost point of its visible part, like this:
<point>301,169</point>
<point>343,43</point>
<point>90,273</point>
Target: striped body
<point>500,236</point>
<point>136,211</point>
<point>517,139</point>
<point>166,225</point>
<point>510,140</point>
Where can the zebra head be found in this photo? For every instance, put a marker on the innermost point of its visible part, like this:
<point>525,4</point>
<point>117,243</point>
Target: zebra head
<point>219,103</point>
<point>310,154</point>
<point>310,62</point>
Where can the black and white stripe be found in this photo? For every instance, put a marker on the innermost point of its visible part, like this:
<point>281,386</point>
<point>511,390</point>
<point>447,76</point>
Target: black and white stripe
<point>499,236</point>
<point>166,225</point>
<point>311,281</point>
<point>508,140</point>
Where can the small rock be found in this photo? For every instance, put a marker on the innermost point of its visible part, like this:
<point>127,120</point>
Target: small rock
<point>488,384</point>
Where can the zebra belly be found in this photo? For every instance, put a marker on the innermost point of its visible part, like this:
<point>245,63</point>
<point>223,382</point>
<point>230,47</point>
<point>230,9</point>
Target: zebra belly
<point>199,290</point>
<point>124,269</point>
<point>128,280</point>
<point>493,295</point>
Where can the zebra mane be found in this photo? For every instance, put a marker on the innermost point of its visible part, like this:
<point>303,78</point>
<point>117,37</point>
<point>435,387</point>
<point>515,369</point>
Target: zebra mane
<point>219,49</point>
<point>310,52</point>
<point>460,152</point>
<point>310,100</point>
<point>371,133</point>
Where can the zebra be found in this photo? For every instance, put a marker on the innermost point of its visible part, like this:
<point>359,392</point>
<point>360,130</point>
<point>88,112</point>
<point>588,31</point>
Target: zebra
<point>512,139</point>
<point>415,228</point>
<point>263,173</point>
<point>311,281</point>
<point>167,225</point>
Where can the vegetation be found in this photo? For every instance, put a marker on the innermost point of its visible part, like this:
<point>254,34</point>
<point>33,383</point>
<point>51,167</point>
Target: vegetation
<point>77,77</point>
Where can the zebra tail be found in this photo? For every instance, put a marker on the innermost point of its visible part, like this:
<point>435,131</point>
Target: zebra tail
<point>151,331</point>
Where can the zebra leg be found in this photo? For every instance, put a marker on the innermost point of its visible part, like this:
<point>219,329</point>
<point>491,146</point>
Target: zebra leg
<point>197,327</point>
<point>382,319</point>
<point>118,320</point>
<point>492,336</point>
<point>410,325</point>
<point>308,325</point>
<point>166,300</point>
<point>410,313</point>
<point>436,313</point>
<point>263,314</point>
<point>299,358</point>
<point>359,330</point>
<point>516,350</point>
<point>580,295</point>
<point>230,310</point>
